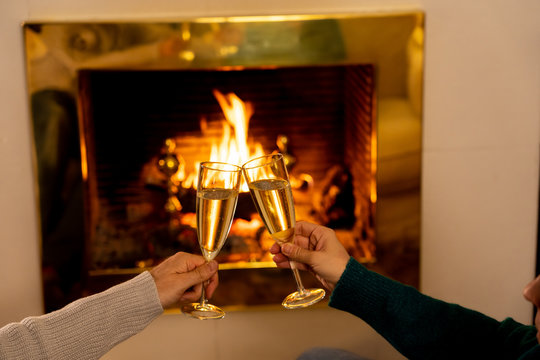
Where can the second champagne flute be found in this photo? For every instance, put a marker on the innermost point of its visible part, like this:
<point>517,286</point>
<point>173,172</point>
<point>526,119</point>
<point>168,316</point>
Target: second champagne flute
<point>270,189</point>
<point>217,195</point>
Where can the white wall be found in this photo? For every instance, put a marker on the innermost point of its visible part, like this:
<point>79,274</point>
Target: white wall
<point>480,172</point>
<point>481,142</point>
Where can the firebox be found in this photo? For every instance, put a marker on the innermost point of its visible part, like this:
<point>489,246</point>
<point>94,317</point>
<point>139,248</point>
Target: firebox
<point>123,113</point>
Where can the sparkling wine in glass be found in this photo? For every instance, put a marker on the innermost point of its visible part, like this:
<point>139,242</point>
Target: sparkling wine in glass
<point>217,195</point>
<point>270,189</point>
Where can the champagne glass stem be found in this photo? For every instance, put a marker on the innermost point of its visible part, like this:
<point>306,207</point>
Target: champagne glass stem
<point>203,300</point>
<point>296,274</point>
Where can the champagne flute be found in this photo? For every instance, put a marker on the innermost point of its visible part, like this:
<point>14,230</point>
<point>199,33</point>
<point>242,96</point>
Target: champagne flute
<point>217,195</point>
<point>270,189</point>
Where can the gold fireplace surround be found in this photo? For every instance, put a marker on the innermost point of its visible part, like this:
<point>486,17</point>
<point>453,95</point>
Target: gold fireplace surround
<point>58,52</point>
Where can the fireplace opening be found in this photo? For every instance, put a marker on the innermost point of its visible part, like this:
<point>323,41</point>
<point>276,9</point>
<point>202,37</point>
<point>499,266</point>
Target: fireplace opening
<point>321,118</point>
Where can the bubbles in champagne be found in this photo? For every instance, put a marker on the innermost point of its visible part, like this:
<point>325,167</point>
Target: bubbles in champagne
<point>215,211</point>
<point>274,202</point>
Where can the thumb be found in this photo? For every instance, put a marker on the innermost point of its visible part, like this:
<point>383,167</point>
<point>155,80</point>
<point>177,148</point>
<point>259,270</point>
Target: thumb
<point>201,273</point>
<point>296,253</point>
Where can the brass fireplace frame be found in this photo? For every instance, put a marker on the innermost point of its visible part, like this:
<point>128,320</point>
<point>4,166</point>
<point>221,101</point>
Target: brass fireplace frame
<point>392,42</point>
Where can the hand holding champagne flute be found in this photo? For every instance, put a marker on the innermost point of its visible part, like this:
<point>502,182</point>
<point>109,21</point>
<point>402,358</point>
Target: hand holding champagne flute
<point>217,195</point>
<point>270,189</point>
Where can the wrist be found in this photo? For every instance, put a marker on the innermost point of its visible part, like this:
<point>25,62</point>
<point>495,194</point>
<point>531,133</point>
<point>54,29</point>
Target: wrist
<point>337,271</point>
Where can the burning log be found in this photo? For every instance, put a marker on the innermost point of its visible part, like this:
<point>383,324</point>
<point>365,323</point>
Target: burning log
<point>333,204</point>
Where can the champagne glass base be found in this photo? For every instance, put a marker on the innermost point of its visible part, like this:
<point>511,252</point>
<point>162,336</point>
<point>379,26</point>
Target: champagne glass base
<point>203,312</point>
<point>303,299</point>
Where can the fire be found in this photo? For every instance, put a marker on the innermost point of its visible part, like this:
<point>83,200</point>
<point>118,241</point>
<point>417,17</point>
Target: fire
<point>233,147</point>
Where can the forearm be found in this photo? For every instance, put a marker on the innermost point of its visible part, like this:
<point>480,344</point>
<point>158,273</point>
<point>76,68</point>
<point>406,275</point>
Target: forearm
<point>418,325</point>
<point>86,328</point>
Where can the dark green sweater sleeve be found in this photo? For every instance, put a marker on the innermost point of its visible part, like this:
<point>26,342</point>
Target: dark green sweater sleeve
<point>421,327</point>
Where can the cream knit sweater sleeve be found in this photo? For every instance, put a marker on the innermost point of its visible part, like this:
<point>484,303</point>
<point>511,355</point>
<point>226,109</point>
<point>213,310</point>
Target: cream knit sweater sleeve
<point>86,328</point>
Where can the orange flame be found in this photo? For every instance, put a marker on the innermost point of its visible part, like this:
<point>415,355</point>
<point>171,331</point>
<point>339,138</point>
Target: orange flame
<point>233,147</point>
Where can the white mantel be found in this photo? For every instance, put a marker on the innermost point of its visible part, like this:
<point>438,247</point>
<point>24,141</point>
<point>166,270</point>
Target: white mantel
<point>481,140</point>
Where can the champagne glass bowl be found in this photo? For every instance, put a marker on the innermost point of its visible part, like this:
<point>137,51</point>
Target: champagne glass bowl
<point>271,192</point>
<point>217,196</point>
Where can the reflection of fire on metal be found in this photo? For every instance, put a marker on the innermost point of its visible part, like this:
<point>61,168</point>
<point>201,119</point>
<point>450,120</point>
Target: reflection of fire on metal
<point>172,167</point>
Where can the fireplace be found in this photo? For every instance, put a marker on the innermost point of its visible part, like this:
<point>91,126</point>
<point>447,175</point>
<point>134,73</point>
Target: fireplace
<point>114,103</point>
